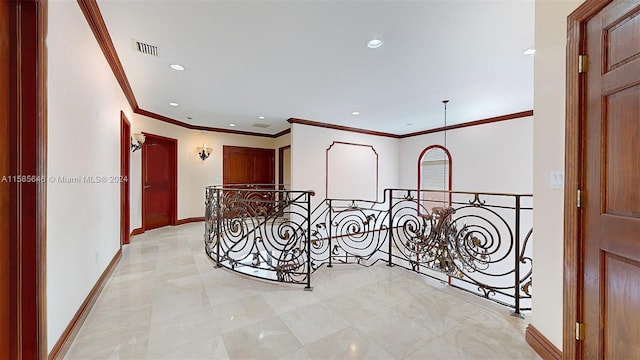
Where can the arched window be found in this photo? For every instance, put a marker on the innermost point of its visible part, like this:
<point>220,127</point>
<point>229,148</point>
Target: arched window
<point>434,173</point>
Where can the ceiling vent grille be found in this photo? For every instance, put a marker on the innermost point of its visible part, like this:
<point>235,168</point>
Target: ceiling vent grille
<point>146,48</point>
<point>261,125</point>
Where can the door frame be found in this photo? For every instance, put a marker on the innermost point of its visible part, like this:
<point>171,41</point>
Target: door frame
<point>173,168</point>
<point>281,166</point>
<point>574,178</point>
<point>26,222</point>
<point>125,176</point>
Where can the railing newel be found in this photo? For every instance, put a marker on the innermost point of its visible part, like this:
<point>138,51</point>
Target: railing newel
<point>329,232</point>
<point>516,269</point>
<point>308,287</point>
<point>390,227</point>
<point>218,227</point>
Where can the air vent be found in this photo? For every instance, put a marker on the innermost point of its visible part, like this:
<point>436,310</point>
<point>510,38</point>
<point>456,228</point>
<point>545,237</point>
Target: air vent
<point>261,125</point>
<point>146,48</point>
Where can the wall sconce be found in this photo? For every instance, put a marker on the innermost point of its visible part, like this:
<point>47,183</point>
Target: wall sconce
<point>204,152</point>
<point>137,140</point>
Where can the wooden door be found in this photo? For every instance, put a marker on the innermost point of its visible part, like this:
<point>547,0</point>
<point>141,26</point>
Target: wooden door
<point>244,165</point>
<point>255,167</point>
<point>611,173</point>
<point>159,172</point>
<point>125,159</point>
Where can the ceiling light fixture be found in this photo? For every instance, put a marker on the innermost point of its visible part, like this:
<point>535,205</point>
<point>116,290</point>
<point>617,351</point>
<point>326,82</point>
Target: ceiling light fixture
<point>232,125</point>
<point>374,43</point>
<point>177,67</point>
<point>529,51</point>
<point>355,113</point>
<point>173,104</point>
<point>261,117</point>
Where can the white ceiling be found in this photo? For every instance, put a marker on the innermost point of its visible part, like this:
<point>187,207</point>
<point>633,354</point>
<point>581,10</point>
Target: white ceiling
<point>309,60</point>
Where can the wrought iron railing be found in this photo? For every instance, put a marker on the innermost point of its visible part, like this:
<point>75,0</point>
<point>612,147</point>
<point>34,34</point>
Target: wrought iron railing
<point>478,242</point>
<point>260,232</point>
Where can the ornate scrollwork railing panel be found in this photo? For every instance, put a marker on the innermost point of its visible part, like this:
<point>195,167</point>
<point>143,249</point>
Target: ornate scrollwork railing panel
<point>354,231</point>
<point>478,242</point>
<point>470,240</point>
<point>259,232</point>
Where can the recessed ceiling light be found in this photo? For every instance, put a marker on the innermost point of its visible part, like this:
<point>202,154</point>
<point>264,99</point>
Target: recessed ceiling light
<point>355,113</point>
<point>374,43</point>
<point>232,125</point>
<point>261,117</point>
<point>529,51</point>
<point>176,67</point>
<point>409,124</point>
<point>173,104</point>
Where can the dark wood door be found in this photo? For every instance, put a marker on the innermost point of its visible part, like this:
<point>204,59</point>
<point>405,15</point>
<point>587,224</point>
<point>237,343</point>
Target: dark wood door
<point>244,165</point>
<point>125,152</point>
<point>611,166</point>
<point>254,167</point>
<point>159,181</point>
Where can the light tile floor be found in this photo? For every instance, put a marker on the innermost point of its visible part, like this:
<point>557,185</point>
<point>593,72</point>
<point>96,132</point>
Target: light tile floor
<point>165,300</point>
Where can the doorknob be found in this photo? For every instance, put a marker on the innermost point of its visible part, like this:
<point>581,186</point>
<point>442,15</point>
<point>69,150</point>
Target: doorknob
<point>147,186</point>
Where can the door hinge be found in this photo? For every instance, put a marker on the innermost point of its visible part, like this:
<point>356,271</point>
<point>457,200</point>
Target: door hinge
<point>583,64</point>
<point>579,331</point>
<point>579,198</point>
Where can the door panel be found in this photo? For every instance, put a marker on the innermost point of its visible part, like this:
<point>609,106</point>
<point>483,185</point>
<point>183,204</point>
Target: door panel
<point>243,165</point>
<point>159,182</point>
<point>249,166</point>
<point>263,166</point>
<point>622,133</point>
<point>236,167</point>
<point>621,318</point>
<point>611,215</point>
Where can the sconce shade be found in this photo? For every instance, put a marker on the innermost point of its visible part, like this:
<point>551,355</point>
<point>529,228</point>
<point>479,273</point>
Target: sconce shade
<point>137,140</point>
<point>204,151</point>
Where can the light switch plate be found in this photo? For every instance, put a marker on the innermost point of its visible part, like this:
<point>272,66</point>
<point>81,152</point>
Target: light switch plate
<point>557,180</point>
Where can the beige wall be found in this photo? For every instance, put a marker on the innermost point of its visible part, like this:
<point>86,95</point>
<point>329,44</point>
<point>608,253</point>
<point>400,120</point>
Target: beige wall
<point>548,144</point>
<point>193,173</point>
<point>83,219</point>
<point>309,160</point>
<point>495,157</point>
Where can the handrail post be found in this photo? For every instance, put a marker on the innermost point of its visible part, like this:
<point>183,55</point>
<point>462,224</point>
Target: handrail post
<point>207,220</point>
<point>329,232</point>
<point>516,285</point>
<point>218,229</point>
<point>390,229</point>
<point>308,287</point>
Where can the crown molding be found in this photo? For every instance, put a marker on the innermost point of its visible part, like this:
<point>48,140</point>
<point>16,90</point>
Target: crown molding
<point>96,22</point>
<point>518,115</point>
<point>92,13</point>
<point>205,128</point>
<point>94,18</point>
<point>340,127</point>
<point>513,116</point>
